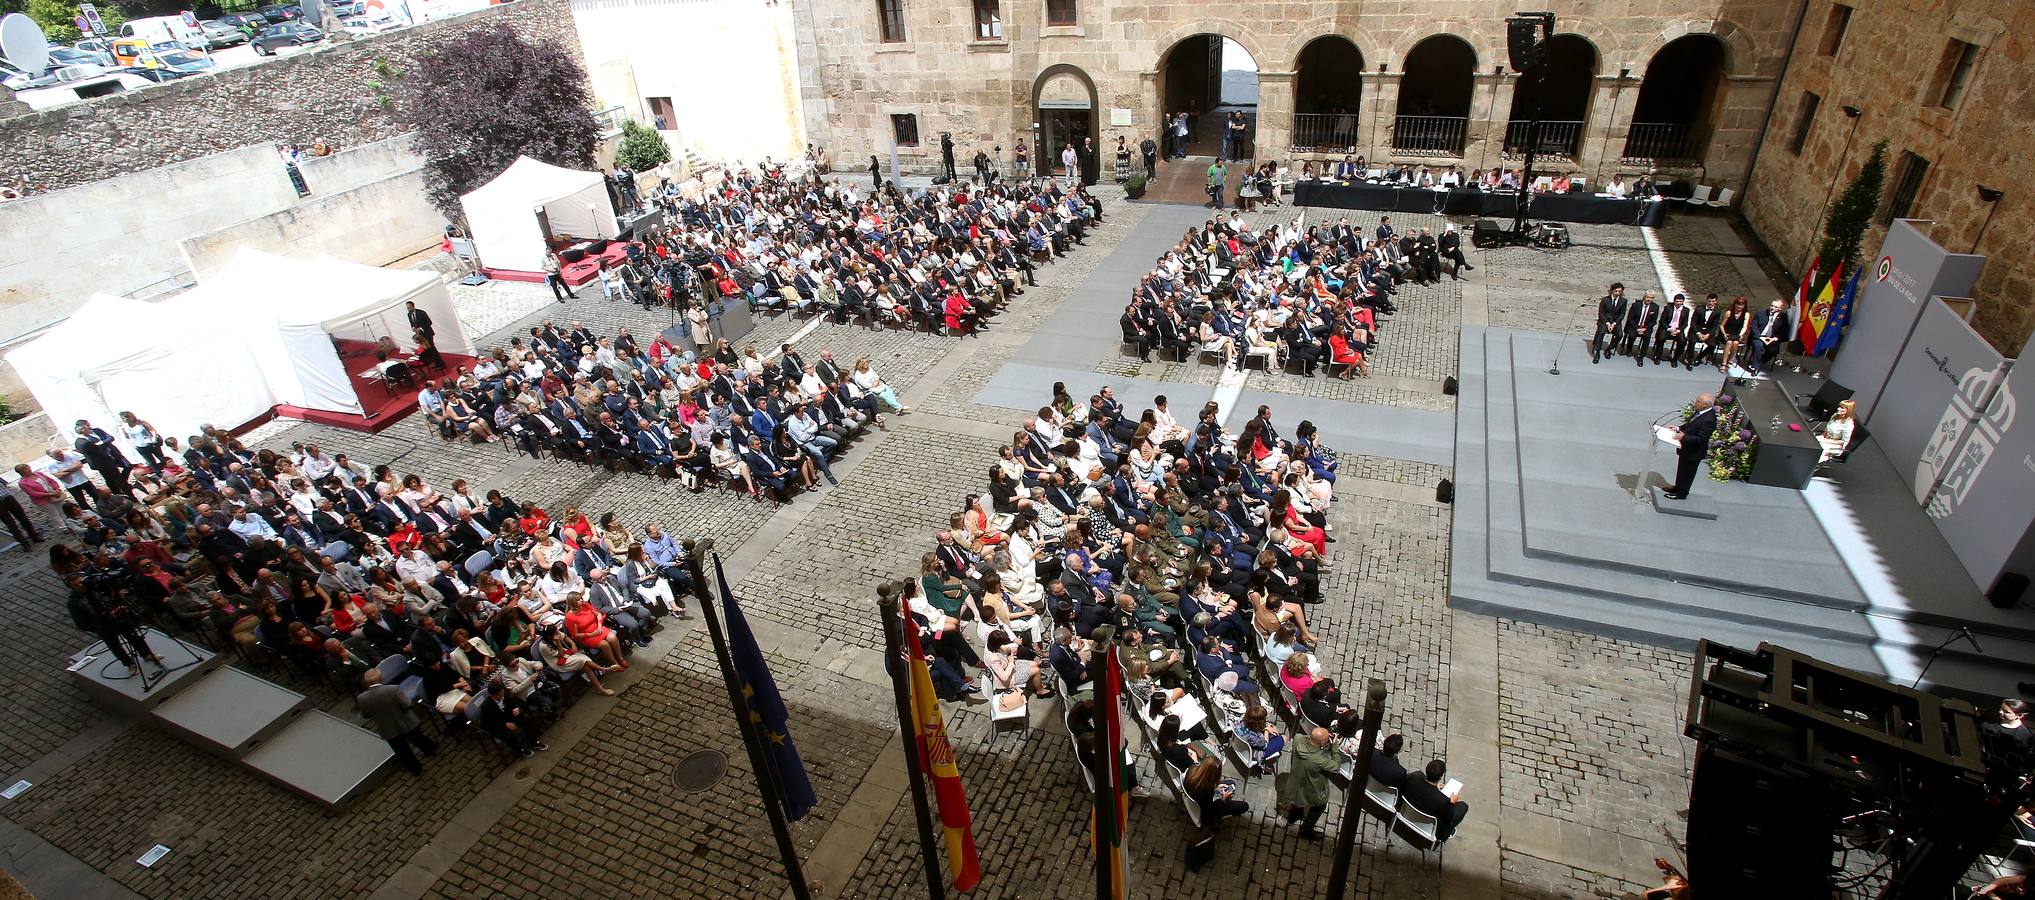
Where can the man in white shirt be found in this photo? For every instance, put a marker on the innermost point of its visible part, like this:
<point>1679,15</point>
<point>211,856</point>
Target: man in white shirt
<point>68,468</point>
<point>316,465</point>
<point>252,527</point>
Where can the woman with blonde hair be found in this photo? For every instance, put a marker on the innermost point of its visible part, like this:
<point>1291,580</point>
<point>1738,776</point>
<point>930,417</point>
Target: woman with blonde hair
<point>1835,435</point>
<point>865,377</point>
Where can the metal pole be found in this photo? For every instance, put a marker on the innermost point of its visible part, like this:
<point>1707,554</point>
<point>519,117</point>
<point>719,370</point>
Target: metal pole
<point>893,643</point>
<point>766,781</point>
<point>1344,871</point>
<point>1108,725</point>
<point>1842,159</point>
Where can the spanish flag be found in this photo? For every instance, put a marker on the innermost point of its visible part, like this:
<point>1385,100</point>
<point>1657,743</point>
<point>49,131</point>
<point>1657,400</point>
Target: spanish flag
<point>937,757</point>
<point>1818,314</point>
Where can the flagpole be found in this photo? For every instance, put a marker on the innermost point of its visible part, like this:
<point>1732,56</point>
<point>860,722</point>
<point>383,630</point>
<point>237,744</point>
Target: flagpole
<point>893,642</point>
<point>759,763</point>
<point>1103,761</point>
<point>1344,869</point>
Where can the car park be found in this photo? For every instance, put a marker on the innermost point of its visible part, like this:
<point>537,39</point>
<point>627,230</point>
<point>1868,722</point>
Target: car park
<point>277,15</point>
<point>221,34</point>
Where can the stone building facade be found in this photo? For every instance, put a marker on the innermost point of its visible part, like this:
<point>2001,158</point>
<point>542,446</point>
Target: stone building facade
<point>993,71</point>
<point>1895,62</point>
<point>333,93</point>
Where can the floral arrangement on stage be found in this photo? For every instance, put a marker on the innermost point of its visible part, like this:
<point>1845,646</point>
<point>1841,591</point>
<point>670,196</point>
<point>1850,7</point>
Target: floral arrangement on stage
<point>1733,444</point>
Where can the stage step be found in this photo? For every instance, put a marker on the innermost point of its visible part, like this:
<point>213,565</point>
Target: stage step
<point>323,758</point>
<point>231,712</point>
<point>106,681</point>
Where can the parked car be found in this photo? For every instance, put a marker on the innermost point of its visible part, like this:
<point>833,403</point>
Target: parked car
<point>280,14</point>
<point>100,48</point>
<point>174,55</point>
<point>288,34</point>
<point>252,21</point>
<point>362,26</point>
<point>71,56</point>
<point>221,34</point>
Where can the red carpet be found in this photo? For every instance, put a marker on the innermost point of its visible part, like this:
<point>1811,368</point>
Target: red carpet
<point>576,273</point>
<point>383,407</point>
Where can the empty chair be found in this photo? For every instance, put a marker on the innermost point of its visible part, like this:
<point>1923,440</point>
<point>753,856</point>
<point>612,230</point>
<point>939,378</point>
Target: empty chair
<point>478,563</point>
<point>1723,200</point>
<point>1701,197</point>
<point>1381,800</point>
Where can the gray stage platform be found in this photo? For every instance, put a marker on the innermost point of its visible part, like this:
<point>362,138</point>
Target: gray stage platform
<point>228,712</point>
<point>1546,530</point>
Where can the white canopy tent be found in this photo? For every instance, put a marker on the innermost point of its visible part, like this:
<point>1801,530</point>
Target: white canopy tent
<point>501,216</point>
<point>175,370</point>
<point>291,309</point>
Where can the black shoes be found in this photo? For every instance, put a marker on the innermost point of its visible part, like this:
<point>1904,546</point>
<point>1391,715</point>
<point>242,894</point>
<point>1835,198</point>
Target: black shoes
<point>1674,496</point>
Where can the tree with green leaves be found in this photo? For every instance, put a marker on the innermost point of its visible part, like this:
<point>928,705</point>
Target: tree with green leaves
<point>643,149</point>
<point>482,99</point>
<point>1852,213</point>
<point>58,17</point>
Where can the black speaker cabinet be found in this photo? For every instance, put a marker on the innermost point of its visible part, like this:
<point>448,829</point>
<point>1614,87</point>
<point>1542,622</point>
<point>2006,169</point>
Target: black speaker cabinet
<point>2008,590</point>
<point>1827,397</point>
<point>1486,233</point>
<point>1755,831</point>
<point>1522,43</point>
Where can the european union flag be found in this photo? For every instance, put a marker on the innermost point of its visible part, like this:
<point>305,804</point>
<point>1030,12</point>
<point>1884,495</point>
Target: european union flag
<point>765,708</point>
<point>1840,316</point>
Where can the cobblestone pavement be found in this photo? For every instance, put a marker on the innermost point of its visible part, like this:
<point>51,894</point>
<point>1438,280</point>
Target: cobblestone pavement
<point>1588,729</point>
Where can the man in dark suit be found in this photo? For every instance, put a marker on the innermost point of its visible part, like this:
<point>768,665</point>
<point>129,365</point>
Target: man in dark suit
<point>1693,445</point>
<point>1703,331</point>
<point>1425,794</point>
<point>1452,250</point>
<point>1136,333</point>
<point>1385,763</point>
<point>1769,334</point>
<point>420,319</point>
<point>1671,339</point>
<point>1641,318</point>
<point>1610,321</point>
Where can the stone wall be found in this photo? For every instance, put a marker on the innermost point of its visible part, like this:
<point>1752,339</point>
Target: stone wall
<point>374,224</point>
<point>321,94</point>
<point>1890,67</point>
<point>983,92</point>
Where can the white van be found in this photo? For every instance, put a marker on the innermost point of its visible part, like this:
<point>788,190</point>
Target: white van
<point>156,29</point>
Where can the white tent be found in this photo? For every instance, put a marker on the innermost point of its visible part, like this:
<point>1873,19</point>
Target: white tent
<point>175,370</point>
<point>501,215</point>
<point>291,309</point>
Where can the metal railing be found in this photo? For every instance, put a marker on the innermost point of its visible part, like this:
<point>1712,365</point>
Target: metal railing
<point>610,119</point>
<point>1429,135</point>
<point>1554,138</point>
<point>1663,142</point>
<point>1325,132</point>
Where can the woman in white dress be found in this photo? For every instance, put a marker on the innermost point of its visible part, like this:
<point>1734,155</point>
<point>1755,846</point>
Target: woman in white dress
<point>1836,434</point>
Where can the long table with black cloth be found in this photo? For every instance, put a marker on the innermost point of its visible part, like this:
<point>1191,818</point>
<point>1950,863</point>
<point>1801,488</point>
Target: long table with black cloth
<point>1590,208</point>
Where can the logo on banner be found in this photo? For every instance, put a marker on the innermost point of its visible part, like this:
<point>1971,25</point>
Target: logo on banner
<point>1960,472</point>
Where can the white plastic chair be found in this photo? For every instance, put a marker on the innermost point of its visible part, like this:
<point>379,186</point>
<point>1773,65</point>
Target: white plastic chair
<point>1723,200</point>
<point>1002,720</point>
<point>1701,197</point>
<point>1381,800</point>
<point>1418,829</point>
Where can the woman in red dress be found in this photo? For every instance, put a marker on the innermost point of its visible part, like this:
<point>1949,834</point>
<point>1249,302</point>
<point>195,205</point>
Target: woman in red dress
<point>590,628</point>
<point>1341,350</point>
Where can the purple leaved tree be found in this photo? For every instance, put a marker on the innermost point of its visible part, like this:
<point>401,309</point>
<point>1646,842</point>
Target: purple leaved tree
<point>482,99</point>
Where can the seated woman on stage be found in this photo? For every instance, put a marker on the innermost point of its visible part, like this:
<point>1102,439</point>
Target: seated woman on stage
<point>1836,434</point>
<point>1560,184</point>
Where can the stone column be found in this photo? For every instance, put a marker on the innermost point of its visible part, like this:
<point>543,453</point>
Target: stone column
<point>1737,127</point>
<point>10,106</point>
<point>1273,138</point>
<point>1604,133</point>
<point>1381,106</point>
<point>1490,110</point>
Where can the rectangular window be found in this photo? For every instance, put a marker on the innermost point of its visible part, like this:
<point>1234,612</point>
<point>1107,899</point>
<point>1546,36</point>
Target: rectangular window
<point>1805,118</point>
<point>661,116</point>
<point>988,20</point>
<point>890,14</point>
<point>1960,58</point>
<point>1907,185</point>
<point>1060,12</point>
<point>904,129</point>
<point>1833,30</point>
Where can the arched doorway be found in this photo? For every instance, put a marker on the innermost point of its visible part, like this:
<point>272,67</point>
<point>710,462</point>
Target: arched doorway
<point>1678,102</point>
<point>1328,92</point>
<point>1563,90</point>
<point>1434,98</point>
<point>1063,103</point>
<point>1209,77</point>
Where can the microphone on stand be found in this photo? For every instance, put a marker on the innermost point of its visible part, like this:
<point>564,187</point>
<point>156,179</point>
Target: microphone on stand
<point>1966,631</point>
<point>1555,367</point>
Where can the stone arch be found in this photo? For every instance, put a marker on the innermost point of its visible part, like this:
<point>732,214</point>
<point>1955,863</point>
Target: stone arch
<point>1236,31</point>
<point>1365,40</point>
<point>1074,72</point>
<point>1467,32</point>
<point>1739,54</point>
<point>1058,126</point>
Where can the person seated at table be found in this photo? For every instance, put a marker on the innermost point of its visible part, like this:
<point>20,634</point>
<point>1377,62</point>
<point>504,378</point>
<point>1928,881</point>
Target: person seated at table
<point>1644,188</point>
<point>1348,170</point>
<point>1835,436</point>
<point>1509,181</point>
<point>1307,170</point>
<point>1617,187</point>
<point>1560,184</point>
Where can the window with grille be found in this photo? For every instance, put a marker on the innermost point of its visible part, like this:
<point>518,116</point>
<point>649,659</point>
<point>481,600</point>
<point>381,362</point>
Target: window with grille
<point>890,15</point>
<point>904,128</point>
<point>988,20</point>
<point>1060,12</point>
<point>1833,29</point>
<point>1961,59</point>
<point>1907,185</point>
<point>1805,118</point>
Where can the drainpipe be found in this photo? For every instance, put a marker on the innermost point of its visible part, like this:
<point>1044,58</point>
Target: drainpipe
<point>1774,99</point>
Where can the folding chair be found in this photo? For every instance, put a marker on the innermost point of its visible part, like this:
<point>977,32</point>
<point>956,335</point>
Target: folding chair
<point>1017,719</point>
<point>1417,829</point>
<point>1723,200</point>
<point>1701,197</point>
<point>1381,801</point>
<point>478,563</point>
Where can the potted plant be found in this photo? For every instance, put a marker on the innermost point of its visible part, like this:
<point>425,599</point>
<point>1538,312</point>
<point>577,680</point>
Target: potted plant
<point>1734,444</point>
<point>1135,187</point>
